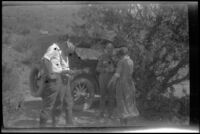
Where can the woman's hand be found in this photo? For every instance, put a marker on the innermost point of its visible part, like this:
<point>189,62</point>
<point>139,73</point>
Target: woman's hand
<point>112,81</point>
<point>40,83</point>
<point>86,70</point>
<point>71,46</point>
<point>67,72</point>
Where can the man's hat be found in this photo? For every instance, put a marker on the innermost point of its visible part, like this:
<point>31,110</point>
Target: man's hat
<point>122,51</point>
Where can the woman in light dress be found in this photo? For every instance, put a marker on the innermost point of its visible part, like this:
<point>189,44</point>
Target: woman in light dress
<point>125,88</point>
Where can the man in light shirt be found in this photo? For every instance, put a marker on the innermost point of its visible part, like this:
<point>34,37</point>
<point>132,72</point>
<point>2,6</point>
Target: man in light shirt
<point>55,94</point>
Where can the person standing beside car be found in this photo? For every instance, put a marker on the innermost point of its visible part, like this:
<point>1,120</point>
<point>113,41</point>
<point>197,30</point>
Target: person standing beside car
<point>106,68</point>
<point>125,88</point>
<point>56,96</point>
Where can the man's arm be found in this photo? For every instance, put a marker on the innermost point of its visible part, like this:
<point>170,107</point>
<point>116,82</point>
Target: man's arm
<point>110,66</point>
<point>100,67</point>
<point>40,90</point>
<point>48,70</point>
<point>76,71</point>
<point>116,74</point>
<point>72,72</point>
<point>48,65</point>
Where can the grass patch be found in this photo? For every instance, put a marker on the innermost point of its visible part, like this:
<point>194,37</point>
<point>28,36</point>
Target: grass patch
<point>12,97</point>
<point>23,44</point>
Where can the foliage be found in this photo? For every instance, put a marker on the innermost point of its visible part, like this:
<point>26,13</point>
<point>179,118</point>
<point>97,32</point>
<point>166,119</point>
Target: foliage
<point>166,108</point>
<point>156,35</point>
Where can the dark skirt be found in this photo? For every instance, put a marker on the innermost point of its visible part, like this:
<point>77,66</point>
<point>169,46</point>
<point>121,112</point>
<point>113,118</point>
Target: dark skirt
<point>125,97</point>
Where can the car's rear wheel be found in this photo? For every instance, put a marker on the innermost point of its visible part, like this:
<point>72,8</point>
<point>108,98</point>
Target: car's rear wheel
<point>82,92</point>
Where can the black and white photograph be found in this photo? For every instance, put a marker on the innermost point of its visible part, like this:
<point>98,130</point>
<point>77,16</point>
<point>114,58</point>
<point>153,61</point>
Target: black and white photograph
<point>95,64</point>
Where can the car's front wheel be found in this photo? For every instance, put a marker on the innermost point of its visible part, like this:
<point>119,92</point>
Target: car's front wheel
<point>82,92</point>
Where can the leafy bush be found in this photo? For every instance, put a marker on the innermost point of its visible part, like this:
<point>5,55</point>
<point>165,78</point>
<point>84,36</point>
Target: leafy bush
<point>161,107</point>
<point>157,37</point>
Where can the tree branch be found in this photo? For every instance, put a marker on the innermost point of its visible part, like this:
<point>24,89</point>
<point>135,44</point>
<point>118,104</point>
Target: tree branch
<point>173,72</point>
<point>178,80</point>
<point>157,58</point>
<point>152,31</point>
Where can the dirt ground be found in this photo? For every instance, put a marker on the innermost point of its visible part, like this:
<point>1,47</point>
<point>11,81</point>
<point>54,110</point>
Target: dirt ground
<point>29,118</point>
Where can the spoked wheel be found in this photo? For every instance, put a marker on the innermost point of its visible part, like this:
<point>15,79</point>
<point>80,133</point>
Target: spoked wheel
<point>82,92</point>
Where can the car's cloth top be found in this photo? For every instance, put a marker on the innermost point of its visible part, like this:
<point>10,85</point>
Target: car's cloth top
<point>88,53</point>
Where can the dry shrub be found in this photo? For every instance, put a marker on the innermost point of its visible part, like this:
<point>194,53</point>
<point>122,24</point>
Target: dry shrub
<point>161,107</point>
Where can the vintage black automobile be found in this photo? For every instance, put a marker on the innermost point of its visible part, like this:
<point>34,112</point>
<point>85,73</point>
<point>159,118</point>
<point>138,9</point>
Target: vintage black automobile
<point>85,87</point>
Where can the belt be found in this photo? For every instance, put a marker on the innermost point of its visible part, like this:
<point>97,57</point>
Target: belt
<point>107,72</point>
<point>50,80</point>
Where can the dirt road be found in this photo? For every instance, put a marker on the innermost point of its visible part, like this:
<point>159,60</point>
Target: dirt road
<point>29,118</point>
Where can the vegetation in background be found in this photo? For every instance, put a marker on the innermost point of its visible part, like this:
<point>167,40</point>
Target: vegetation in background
<point>157,36</point>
